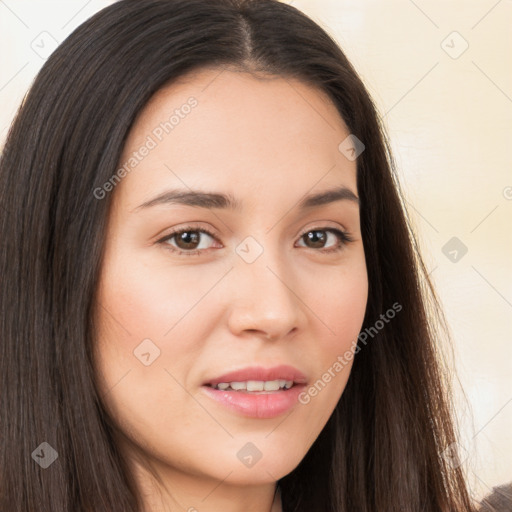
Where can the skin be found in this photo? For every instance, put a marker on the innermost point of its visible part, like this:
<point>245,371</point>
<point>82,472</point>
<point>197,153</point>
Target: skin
<point>268,142</point>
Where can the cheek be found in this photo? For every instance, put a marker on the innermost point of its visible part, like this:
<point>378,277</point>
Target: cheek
<point>137,307</point>
<point>340,303</point>
<point>143,307</point>
<point>340,309</point>
<point>148,299</point>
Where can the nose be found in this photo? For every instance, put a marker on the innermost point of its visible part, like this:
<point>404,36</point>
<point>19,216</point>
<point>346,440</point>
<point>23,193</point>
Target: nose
<point>266,299</point>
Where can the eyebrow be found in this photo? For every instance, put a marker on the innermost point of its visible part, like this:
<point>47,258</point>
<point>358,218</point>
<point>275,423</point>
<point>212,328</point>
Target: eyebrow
<point>215,200</point>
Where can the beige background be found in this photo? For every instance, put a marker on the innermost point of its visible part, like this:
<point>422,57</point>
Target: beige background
<point>448,110</point>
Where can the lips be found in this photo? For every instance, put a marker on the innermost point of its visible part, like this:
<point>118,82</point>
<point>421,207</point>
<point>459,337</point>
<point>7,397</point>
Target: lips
<point>247,398</point>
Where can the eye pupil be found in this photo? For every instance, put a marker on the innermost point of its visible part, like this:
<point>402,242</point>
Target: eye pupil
<point>185,237</point>
<point>318,241</point>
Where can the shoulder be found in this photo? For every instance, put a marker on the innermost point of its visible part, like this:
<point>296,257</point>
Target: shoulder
<point>499,500</point>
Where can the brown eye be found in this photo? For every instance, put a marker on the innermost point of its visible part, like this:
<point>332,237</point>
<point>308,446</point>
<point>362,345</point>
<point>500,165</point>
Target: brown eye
<point>318,238</point>
<point>188,241</point>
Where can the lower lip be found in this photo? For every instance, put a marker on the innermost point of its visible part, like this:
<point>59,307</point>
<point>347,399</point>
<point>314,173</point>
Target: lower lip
<point>257,404</point>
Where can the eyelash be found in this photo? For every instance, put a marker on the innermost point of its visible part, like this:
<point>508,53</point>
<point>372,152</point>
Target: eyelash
<point>343,236</point>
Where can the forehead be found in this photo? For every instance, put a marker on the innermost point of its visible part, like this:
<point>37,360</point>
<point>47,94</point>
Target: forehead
<point>218,128</point>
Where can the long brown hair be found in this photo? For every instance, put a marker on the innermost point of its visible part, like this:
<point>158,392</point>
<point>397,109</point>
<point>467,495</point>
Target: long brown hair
<point>383,447</point>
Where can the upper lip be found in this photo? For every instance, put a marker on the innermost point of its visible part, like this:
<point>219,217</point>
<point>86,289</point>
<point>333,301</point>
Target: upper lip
<point>281,372</point>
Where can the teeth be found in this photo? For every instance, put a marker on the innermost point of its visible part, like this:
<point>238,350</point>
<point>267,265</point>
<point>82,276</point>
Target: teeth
<point>255,385</point>
<point>271,385</point>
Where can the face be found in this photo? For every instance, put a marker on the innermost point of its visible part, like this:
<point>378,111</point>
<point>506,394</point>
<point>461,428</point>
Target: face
<point>255,286</point>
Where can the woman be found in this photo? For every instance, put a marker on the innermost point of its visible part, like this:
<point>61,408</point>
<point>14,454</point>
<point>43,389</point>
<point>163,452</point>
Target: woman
<point>290,364</point>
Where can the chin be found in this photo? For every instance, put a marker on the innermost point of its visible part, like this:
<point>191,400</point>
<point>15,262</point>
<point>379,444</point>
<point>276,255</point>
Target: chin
<point>254,460</point>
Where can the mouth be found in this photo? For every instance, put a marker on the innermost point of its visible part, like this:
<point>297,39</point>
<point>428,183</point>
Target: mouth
<point>257,392</point>
<point>258,379</point>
